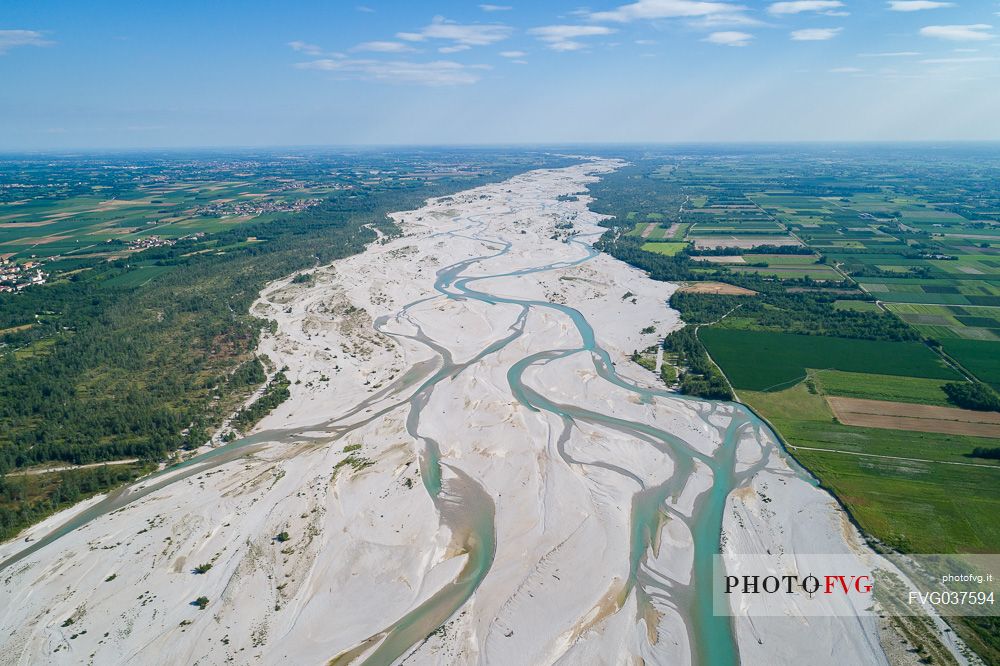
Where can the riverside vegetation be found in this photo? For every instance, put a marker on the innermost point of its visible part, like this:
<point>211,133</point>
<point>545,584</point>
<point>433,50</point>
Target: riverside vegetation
<point>876,275</point>
<point>98,366</point>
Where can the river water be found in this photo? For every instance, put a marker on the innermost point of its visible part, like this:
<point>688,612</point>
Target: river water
<point>468,511</point>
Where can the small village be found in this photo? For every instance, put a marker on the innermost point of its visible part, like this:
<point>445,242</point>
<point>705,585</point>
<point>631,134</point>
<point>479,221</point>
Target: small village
<point>15,277</point>
<point>147,242</point>
<point>255,207</point>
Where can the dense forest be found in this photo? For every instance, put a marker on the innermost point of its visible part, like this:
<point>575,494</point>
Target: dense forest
<point>973,395</point>
<point>698,376</point>
<point>108,372</point>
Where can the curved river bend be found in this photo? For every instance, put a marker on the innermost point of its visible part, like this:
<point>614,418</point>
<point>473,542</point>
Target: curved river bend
<point>464,506</point>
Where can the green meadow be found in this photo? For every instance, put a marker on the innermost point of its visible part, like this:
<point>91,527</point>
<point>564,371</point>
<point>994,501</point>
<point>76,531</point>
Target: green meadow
<point>765,361</point>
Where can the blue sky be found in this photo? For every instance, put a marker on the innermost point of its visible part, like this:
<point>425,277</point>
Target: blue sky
<point>107,74</point>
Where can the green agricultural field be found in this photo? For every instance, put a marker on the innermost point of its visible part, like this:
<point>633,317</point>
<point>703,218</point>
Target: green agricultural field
<point>921,507</point>
<point>856,306</point>
<point>56,227</point>
<point>668,249</point>
<point>928,507</point>
<point>881,387</point>
<point>973,290</point>
<point>639,229</point>
<point>782,259</point>
<point>142,355</point>
<point>982,358</point>
<point>680,232</point>
<point>656,231</point>
<point>950,321</point>
<point>137,277</point>
<point>765,361</point>
<point>791,272</point>
<point>921,234</point>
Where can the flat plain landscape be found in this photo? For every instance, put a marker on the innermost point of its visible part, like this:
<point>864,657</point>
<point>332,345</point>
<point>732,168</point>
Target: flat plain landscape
<point>525,492</point>
<point>470,396</point>
<point>874,275</point>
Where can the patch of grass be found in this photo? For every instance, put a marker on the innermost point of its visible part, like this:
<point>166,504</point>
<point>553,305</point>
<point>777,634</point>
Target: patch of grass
<point>137,277</point>
<point>925,507</point>
<point>795,403</point>
<point>775,260</point>
<point>980,357</point>
<point>881,387</point>
<point>790,272</point>
<point>356,462</point>
<point>761,361</point>
<point>856,306</point>
<point>914,506</point>
<point>639,229</point>
<point>668,249</point>
<point>646,361</point>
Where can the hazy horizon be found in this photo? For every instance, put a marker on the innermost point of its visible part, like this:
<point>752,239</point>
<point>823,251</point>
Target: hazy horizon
<point>122,76</point>
<point>596,145</point>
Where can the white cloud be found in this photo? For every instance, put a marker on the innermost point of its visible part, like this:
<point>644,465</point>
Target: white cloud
<point>435,74</point>
<point>305,47</point>
<point>729,38</point>
<point>513,54</point>
<point>713,21</point>
<point>10,39</point>
<point>815,34</point>
<point>477,34</point>
<point>957,61</point>
<point>457,48</point>
<point>976,32</point>
<point>916,5</point>
<point>799,6</point>
<point>365,9</point>
<point>496,8</point>
<point>563,37</point>
<point>383,47</point>
<point>660,9</point>
<point>890,54</point>
<point>846,70</point>
<point>646,42</point>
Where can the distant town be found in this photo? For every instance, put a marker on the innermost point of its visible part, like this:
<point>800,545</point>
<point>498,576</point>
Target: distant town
<point>147,242</point>
<point>255,207</point>
<point>15,277</point>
